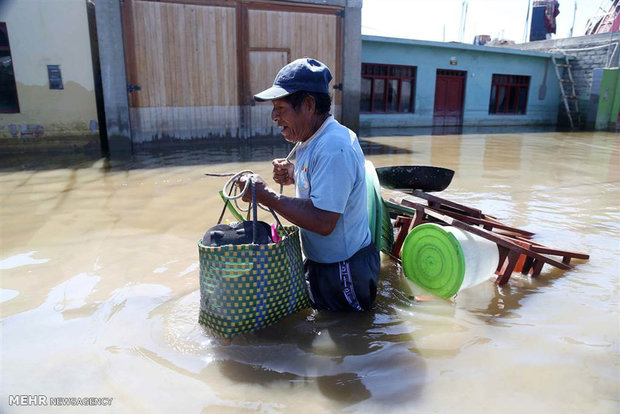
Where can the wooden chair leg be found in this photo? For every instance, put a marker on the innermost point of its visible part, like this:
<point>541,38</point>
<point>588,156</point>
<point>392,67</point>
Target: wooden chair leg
<point>503,254</point>
<point>527,265</point>
<point>511,262</point>
<point>538,265</point>
<point>418,218</point>
<point>403,223</point>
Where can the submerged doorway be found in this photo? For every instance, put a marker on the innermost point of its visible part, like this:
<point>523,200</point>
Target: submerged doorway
<point>449,94</point>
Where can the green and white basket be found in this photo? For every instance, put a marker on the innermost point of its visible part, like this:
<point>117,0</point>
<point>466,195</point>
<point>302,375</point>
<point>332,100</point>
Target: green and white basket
<point>248,287</point>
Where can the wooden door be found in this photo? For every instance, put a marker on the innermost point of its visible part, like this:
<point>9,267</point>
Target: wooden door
<point>449,94</point>
<point>193,66</point>
<point>183,59</point>
<point>264,64</point>
<point>274,31</point>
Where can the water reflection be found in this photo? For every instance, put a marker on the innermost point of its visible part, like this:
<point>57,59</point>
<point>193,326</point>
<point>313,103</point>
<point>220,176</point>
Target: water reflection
<point>187,155</point>
<point>339,353</point>
<point>99,287</point>
<point>502,154</point>
<point>454,130</point>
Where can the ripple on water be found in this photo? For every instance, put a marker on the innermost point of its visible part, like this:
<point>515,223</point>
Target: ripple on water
<point>8,294</point>
<point>19,260</point>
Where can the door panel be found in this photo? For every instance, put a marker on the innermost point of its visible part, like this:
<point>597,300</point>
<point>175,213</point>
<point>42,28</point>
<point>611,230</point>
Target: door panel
<point>183,59</point>
<point>311,34</point>
<point>264,65</point>
<point>449,94</point>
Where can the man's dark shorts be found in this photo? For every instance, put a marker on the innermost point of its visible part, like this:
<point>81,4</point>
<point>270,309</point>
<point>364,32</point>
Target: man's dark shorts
<point>344,286</point>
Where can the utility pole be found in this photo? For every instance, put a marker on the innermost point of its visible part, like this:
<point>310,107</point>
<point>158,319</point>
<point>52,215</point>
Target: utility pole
<point>570,33</point>
<point>528,22</point>
<point>463,20</point>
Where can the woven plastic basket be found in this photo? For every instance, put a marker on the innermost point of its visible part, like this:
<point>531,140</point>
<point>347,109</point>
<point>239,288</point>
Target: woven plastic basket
<point>248,287</point>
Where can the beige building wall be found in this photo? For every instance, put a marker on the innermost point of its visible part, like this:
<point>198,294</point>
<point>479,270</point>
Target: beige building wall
<point>41,33</point>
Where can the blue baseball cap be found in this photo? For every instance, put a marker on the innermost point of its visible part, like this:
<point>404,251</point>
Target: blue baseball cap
<point>304,74</point>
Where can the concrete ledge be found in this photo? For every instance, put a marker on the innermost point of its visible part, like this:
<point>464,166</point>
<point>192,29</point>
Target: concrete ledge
<point>78,143</point>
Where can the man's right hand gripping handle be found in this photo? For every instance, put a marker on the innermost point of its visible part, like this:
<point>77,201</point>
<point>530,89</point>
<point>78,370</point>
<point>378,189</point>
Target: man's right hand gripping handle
<point>283,171</point>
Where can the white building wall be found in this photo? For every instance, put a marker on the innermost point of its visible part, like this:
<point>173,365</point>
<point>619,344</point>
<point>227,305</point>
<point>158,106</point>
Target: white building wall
<point>41,33</point>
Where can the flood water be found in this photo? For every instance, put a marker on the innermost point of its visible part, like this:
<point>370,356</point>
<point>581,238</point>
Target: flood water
<point>99,293</point>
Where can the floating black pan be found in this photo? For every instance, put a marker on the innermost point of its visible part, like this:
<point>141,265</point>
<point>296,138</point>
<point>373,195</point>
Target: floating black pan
<point>415,177</point>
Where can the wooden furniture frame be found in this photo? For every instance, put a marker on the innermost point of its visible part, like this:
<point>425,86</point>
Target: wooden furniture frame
<point>516,251</point>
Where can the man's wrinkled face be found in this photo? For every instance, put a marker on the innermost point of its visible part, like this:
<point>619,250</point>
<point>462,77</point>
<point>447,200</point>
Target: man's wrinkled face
<point>295,125</point>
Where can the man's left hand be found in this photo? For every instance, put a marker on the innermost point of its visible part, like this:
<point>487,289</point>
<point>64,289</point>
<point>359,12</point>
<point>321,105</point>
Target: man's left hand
<point>262,191</point>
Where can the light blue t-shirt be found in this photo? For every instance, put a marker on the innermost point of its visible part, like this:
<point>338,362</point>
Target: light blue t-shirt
<point>329,170</point>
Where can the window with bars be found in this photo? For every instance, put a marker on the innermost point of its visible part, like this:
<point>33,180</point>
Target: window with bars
<point>509,94</point>
<point>8,89</point>
<point>387,88</point>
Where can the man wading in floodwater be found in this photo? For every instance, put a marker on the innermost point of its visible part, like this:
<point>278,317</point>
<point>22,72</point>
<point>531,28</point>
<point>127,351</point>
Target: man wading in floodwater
<point>342,264</point>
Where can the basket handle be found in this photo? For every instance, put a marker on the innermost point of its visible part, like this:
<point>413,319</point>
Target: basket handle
<point>254,211</point>
<point>254,205</point>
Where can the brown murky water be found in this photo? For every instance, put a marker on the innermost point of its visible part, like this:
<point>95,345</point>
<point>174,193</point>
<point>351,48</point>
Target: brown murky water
<point>99,293</point>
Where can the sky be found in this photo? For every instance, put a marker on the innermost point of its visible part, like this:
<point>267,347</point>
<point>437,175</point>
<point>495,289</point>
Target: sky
<point>440,20</point>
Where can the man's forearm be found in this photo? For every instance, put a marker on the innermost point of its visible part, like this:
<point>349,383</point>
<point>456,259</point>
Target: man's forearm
<point>302,213</point>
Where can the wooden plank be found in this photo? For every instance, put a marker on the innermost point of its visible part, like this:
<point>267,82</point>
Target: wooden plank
<point>160,68</point>
<point>242,68</point>
<point>150,86</point>
<point>218,3</point>
<point>268,49</point>
<point>290,7</point>
<point>220,91</point>
<point>183,62</point>
<point>172,88</point>
<point>338,77</point>
<point>144,45</point>
<point>157,86</point>
<point>129,43</point>
<point>393,204</point>
<point>502,241</point>
<point>200,42</point>
<point>189,108</point>
<point>165,53</point>
<point>488,225</point>
<point>139,53</point>
<point>556,252</point>
<point>432,198</point>
<point>148,91</point>
<point>191,30</point>
<point>232,62</point>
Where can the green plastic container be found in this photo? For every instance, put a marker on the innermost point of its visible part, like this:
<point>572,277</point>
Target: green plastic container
<point>444,260</point>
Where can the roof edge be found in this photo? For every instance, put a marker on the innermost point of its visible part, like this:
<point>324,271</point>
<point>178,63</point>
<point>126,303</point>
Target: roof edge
<point>455,45</point>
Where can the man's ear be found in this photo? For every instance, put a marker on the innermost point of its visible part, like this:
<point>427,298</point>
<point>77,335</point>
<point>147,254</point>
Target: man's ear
<point>309,104</point>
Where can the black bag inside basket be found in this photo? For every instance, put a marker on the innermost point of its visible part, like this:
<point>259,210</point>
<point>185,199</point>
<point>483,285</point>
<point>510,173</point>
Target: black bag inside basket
<point>244,232</point>
<point>238,233</point>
